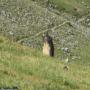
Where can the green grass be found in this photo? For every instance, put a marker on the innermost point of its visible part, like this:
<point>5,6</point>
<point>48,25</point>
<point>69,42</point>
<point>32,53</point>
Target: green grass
<point>75,7</point>
<point>28,69</point>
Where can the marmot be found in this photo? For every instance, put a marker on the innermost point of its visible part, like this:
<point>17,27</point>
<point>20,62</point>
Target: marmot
<point>48,47</point>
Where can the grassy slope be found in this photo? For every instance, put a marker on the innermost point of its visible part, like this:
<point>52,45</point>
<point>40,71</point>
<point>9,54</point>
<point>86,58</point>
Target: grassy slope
<point>28,69</point>
<point>75,7</point>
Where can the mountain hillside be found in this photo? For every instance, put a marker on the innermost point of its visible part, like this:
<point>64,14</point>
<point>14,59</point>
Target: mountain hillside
<point>22,25</point>
<point>25,21</point>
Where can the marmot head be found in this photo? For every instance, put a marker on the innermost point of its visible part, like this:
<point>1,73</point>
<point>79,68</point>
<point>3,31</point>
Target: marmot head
<point>47,38</point>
